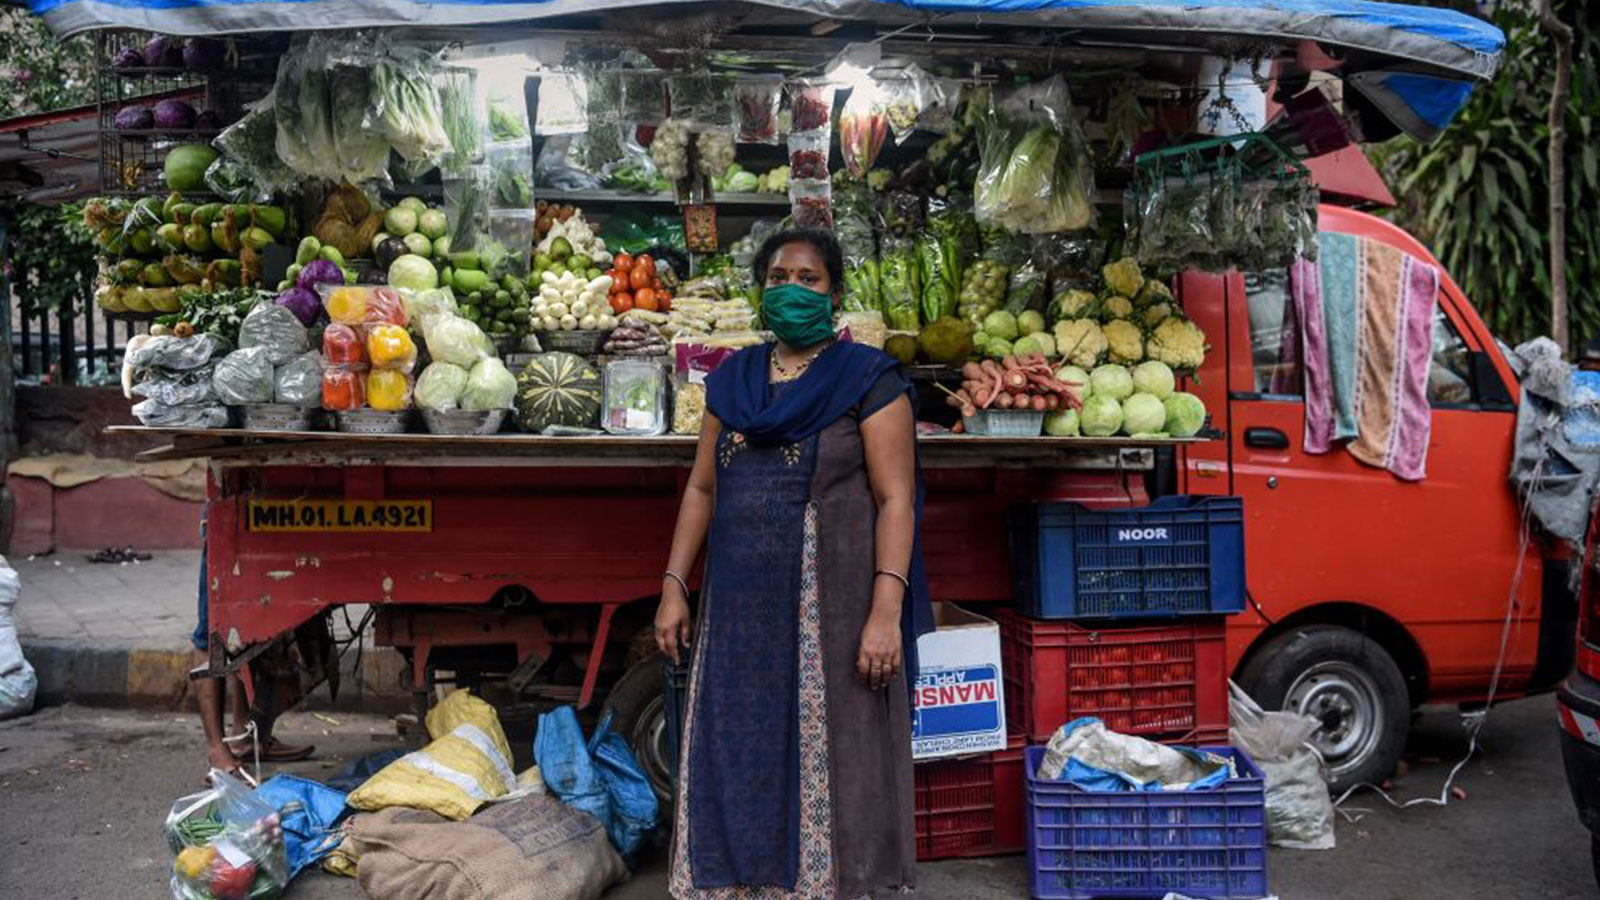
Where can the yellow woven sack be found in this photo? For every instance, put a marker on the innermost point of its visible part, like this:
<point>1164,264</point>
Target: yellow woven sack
<point>467,763</point>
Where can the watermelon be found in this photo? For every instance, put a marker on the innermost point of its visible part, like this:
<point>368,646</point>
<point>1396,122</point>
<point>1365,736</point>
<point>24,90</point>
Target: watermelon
<point>185,166</point>
<point>557,389</point>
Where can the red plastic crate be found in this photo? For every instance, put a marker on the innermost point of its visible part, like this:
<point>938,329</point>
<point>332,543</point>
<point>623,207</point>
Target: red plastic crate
<point>972,807</point>
<point>1163,682</point>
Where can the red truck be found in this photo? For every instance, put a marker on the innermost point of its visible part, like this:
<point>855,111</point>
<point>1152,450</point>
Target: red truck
<point>538,559</point>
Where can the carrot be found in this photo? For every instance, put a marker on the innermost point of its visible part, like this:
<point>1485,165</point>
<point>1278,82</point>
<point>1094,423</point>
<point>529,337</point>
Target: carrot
<point>972,371</point>
<point>1039,403</point>
<point>1004,401</point>
<point>1009,362</point>
<point>1016,380</point>
<point>983,397</point>
<point>1052,401</point>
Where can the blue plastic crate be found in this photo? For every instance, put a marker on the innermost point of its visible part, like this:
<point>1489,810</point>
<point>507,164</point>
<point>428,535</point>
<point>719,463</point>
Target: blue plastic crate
<point>1177,556</point>
<point>1208,844</point>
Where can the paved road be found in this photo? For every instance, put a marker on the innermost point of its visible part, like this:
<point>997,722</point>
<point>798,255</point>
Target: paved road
<point>83,793</point>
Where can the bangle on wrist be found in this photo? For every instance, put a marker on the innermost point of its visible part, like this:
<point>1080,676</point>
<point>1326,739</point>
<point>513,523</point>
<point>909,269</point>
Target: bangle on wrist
<point>896,576</point>
<point>678,578</point>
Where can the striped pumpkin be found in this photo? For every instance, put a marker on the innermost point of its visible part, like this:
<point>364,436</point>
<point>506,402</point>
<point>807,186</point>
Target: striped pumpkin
<point>557,389</point>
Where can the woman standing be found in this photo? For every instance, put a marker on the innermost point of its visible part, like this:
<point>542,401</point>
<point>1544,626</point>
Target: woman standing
<point>795,772</point>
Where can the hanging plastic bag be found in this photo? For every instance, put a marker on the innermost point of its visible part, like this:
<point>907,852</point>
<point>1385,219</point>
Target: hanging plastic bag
<point>229,844</point>
<point>1036,172</point>
<point>406,108</point>
<point>863,127</point>
<point>300,114</point>
<point>18,682</point>
<point>703,100</point>
<point>757,99</point>
<point>563,103</point>
<point>362,155</point>
<point>1299,810</point>
<point>251,143</point>
<point>463,116</point>
<point>853,218</point>
<point>644,96</point>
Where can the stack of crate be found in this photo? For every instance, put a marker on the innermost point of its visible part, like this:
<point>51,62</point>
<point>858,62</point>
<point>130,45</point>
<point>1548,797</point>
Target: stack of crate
<point>1121,615</point>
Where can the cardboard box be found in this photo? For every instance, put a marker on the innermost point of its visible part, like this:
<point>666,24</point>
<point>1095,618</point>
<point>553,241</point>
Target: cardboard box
<point>958,705</point>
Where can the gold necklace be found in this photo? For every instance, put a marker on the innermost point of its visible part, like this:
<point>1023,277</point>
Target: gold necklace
<point>787,374</point>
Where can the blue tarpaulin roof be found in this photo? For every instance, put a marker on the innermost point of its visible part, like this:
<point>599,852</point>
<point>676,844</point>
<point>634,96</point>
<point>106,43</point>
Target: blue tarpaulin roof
<point>1392,40</point>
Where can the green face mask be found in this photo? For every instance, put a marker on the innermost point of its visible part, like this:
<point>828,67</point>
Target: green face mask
<point>799,316</point>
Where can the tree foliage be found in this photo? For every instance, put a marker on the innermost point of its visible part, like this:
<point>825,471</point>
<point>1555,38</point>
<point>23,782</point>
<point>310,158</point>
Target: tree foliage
<point>41,72</point>
<point>50,256</point>
<point>1479,196</point>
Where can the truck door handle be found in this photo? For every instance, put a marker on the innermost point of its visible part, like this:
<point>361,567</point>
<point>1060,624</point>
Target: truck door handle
<point>1266,438</point>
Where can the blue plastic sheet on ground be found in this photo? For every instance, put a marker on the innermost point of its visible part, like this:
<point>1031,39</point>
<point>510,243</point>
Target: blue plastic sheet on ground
<point>310,811</point>
<point>356,772</point>
<point>599,776</point>
<point>1094,778</point>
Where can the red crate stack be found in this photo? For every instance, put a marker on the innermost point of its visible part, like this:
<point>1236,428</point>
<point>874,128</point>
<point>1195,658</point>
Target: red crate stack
<point>972,806</point>
<point>1165,682</point>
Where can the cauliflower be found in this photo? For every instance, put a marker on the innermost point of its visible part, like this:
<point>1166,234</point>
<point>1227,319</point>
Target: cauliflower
<point>1155,314</point>
<point>1179,343</point>
<point>1071,304</point>
<point>1153,292</point>
<point>1124,341</point>
<point>1116,306</point>
<point>1080,342</point>
<point>1123,276</point>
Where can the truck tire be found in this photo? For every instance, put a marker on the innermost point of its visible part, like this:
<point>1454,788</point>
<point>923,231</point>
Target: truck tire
<point>641,719</point>
<point>1350,683</point>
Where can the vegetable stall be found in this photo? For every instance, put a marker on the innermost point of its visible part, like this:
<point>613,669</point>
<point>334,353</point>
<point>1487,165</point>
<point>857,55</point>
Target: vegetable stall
<point>437,298</point>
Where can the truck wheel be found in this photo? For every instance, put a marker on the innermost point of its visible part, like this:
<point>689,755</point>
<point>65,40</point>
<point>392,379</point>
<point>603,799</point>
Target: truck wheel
<point>1349,683</point>
<point>641,719</point>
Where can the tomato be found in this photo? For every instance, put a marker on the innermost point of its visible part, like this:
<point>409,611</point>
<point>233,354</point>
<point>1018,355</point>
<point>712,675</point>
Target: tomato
<point>640,278</point>
<point>664,300</point>
<point>623,262</point>
<point>646,262</point>
<point>645,298</point>
<point>622,303</point>
<point>619,282</point>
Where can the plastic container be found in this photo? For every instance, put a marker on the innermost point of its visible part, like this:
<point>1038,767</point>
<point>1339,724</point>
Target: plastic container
<point>635,400</point>
<point>1177,556</point>
<point>1161,682</point>
<point>971,807</point>
<point>1019,423</point>
<point>1085,844</point>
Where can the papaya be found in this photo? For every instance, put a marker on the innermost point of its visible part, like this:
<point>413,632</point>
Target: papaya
<point>184,169</point>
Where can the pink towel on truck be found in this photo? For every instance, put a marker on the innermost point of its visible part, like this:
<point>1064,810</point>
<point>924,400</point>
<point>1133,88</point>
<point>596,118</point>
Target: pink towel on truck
<point>1366,311</point>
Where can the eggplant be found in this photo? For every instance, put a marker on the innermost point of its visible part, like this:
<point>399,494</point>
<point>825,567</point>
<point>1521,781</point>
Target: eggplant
<point>390,250</point>
<point>372,276</point>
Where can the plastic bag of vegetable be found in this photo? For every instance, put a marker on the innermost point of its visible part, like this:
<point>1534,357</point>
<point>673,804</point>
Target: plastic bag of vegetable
<point>563,102</point>
<point>756,100</point>
<point>362,155</point>
<point>156,414</point>
<point>558,166</point>
<point>439,387</point>
<point>176,353</point>
<point>853,217</point>
<point>422,305</point>
<point>943,248</point>
<point>900,283</point>
<point>466,208</point>
<point>298,382</point>
<point>251,143</point>
<point>490,385</point>
<point>276,329</point>
<point>304,117</point>
<point>702,100</point>
<point>406,107</point>
<point>463,117</point>
<point>455,340</point>
<point>511,174</point>
<point>191,388</point>
<point>1036,172</point>
<point>244,376</point>
<point>1028,288</point>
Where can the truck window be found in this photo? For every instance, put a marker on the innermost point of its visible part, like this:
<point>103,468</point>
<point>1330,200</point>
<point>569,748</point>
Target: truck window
<point>1274,333</point>
<point>1449,372</point>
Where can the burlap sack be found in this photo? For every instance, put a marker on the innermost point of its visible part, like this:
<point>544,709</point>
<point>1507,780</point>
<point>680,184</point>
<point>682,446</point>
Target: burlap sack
<point>529,849</point>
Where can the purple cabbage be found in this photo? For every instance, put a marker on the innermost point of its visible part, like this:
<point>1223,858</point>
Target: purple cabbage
<point>174,115</point>
<point>201,54</point>
<point>319,271</point>
<point>135,118</point>
<point>303,303</point>
<point>128,58</point>
<point>208,119</point>
<point>163,51</point>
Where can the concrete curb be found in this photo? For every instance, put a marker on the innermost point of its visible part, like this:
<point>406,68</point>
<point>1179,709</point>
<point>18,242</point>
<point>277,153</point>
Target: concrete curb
<point>98,674</point>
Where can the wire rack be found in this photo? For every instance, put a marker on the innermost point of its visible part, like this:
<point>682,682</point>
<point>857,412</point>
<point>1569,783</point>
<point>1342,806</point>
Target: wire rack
<point>131,161</point>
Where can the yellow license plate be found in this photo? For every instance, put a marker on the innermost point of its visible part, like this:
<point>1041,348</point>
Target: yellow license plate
<point>340,515</point>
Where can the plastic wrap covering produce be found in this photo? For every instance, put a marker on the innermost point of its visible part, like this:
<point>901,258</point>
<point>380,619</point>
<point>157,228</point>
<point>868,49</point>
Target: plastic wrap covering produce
<point>155,414</point>
<point>229,844</point>
<point>490,385</point>
<point>439,387</point>
<point>344,388</point>
<point>1086,753</point>
<point>863,128</point>
<point>463,116</point>
<point>900,283</point>
<point>757,98</point>
<point>563,104</point>
<point>688,408</point>
<point>304,139</point>
<point>348,62</point>
<point>866,327</point>
<point>176,353</point>
<point>298,382</point>
<point>1037,175</point>
<point>455,340</point>
<point>635,397</point>
<point>853,225</point>
<point>702,100</point>
<point>387,389</point>
<point>943,249</point>
<point>390,347</point>
<point>644,96</point>
<point>187,388</point>
<point>406,108</point>
<point>276,330</point>
<point>420,306</point>
<point>360,304</point>
<point>636,336</point>
<point>1215,222</point>
<point>244,376</point>
<point>1299,810</point>
<point>251,143</point>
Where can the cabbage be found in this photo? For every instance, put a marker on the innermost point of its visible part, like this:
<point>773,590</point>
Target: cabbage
<point>440,386</point>
<point>1112,381</point>
<point>1001,324</point>
<point>319,271</point>
<point>455,340</point>
<point>420,305</point>
<point>1030,322</point>
<point>303,303</point>
<point>1077,379</point>
<point>1153,378</point>
<point>413,272</point>
<point>1143,414</point>
<point>1186,414</point>
<point>1028,344</point>
<point>489,386</point>
<point>1061,423</point>
<point>1101,416</point>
